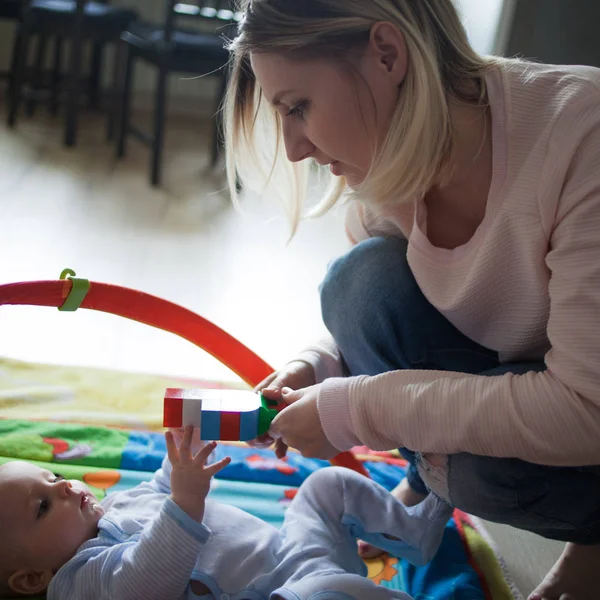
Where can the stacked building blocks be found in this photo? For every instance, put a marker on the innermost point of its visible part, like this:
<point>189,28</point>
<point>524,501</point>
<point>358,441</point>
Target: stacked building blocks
<point>223,415</point>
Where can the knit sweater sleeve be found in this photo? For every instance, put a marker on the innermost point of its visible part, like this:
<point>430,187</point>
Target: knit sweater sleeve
<point>550,417</point>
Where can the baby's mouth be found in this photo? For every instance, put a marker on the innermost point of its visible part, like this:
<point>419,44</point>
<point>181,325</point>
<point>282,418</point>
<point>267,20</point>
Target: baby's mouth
<point>89,501</point>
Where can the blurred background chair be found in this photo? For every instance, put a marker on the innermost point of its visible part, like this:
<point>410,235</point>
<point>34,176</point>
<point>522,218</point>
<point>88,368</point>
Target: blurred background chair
<point>10,10</point>
<point>176,50</point>
<point>81,23</point>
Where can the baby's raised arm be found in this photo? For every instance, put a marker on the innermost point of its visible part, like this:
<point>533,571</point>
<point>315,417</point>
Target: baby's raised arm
<point>159,563</point>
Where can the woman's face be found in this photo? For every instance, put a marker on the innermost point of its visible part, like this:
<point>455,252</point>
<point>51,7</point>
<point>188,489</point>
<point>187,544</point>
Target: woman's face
<point>336,115</point>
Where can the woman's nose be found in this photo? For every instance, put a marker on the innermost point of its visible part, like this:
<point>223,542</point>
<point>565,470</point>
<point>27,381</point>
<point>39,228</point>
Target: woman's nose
<point>297,146</point>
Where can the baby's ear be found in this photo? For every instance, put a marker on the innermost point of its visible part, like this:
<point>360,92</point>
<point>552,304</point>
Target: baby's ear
<point>28,581</point>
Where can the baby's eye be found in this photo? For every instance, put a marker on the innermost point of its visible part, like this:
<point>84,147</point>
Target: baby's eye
<point>57,477</point>
<point>43,509</point>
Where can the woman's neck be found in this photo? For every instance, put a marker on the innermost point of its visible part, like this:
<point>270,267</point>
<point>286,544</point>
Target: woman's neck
<point>471,171</point>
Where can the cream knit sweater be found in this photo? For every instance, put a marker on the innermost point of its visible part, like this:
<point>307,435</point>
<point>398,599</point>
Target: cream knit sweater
<point>526,285</point>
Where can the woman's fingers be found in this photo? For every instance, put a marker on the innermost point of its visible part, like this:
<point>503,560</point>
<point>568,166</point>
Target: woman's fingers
<point>281,448</point>
<point>262,441</point>
<point>265,382</point>
<point>273,391</point>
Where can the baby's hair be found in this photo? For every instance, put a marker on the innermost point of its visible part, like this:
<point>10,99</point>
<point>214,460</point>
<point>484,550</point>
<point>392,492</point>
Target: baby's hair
<point>417,152</point>
<point>6,592</point>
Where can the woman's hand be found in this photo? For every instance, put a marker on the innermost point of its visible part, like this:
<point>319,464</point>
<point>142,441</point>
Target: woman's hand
<point>299,425</point>
<point>190,478</point>
<point>295,375</point>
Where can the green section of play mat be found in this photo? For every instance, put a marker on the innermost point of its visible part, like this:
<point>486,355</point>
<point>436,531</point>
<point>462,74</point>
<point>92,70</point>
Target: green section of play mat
<point>41,441</point>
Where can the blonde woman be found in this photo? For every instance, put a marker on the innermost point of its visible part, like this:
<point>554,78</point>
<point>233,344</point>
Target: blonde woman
<point>465,321</point>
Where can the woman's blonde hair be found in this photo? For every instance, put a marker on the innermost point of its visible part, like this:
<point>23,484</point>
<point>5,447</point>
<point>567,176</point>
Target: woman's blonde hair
<point>417,151</point>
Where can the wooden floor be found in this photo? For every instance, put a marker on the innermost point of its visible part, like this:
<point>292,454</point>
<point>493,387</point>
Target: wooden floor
<point>77,208</point>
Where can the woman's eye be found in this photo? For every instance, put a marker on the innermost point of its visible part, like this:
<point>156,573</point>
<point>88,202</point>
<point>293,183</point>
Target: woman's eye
<point>298,110</point>
<point>43,509</point>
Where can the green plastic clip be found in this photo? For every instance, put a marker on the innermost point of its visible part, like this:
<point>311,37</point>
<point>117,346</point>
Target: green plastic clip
<point>79,290</point>
<point>266,414</point>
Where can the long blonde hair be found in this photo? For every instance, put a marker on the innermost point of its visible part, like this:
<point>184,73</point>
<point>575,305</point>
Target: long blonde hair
<point>417,151</point>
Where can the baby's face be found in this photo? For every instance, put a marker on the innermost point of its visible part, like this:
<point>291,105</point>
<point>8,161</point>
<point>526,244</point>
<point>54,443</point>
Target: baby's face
<point>45,518</point>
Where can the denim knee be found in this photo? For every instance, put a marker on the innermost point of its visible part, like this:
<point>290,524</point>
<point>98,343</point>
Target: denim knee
<point>560,503</point>
<point>358,278</point>
<point>370,303</point>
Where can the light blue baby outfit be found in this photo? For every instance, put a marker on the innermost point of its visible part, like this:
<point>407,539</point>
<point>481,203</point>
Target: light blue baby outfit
<point>148,548</point>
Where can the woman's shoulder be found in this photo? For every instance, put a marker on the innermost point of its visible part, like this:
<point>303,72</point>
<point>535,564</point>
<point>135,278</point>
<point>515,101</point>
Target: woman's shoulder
<point>551,76</point>
<point>546,88</point>
<point>553,127</point>
<point>547,110</point>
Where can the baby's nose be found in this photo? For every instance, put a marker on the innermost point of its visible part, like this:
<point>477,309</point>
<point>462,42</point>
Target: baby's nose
<point>66,487</point>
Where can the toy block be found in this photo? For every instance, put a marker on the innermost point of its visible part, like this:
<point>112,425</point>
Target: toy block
<point>225,415</point>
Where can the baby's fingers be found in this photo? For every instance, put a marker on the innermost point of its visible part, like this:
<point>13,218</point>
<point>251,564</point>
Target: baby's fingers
<point>186,443</point>
<point>203,454</point>
<point>218,466</point>
<point>177,434</point>
<point>171,448</point>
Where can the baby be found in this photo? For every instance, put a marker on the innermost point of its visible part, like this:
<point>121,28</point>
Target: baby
<point>164,539</point>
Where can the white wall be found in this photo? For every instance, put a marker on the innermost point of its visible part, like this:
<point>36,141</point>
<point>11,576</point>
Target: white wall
<point>481,19</point>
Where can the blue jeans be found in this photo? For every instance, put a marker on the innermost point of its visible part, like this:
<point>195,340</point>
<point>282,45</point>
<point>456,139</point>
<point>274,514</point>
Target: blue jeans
<point>381,322</point>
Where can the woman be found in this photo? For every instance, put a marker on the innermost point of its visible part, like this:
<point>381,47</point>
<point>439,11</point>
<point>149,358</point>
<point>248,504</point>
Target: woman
<point>464,321</point>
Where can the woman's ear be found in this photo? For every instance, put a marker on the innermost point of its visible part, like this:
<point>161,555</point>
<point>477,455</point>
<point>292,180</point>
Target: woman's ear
<point>388,46</point>
<point>29,582</point>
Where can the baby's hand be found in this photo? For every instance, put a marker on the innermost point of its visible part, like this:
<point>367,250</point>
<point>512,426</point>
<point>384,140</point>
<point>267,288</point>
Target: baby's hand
<point>196,445</point>
<point>190,478</point>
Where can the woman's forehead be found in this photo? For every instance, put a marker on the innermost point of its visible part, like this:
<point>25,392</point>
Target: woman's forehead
<point>281,64</point>
<point>277,73</point>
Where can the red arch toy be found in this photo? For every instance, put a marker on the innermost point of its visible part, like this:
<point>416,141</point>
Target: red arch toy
<point>70,293</point>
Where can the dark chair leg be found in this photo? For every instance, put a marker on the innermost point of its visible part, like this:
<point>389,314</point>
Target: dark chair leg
<point>114,98</point>
<point>159,125</point>
<point>56,74</point>
<point>96,75</point>
<point>218,138</point>
<point>38,72</point>
<point>124,102</point>
<point>73,88</point>
<point>17,78</point>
